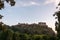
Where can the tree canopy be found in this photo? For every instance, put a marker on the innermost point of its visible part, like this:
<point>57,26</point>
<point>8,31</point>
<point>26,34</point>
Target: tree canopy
<point>57,24</point>
<point>11,2</point>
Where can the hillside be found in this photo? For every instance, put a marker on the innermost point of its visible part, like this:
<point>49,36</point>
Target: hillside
<point>40,28</point>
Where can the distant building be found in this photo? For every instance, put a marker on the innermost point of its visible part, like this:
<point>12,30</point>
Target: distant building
<point>42,23</point>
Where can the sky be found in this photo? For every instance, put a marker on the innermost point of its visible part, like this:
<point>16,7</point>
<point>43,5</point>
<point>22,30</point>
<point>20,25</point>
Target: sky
<point>30,11</point>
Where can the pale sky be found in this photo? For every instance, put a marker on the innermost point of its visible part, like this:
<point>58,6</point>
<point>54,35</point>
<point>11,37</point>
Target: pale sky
<point>30,11</point>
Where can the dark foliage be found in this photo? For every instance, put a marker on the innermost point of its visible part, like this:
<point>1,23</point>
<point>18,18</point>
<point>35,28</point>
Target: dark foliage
<point>12,3</point>
<point>57,24</point>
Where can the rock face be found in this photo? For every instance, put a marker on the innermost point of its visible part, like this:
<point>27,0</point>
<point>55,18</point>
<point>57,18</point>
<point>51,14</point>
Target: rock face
<point>40,28</point>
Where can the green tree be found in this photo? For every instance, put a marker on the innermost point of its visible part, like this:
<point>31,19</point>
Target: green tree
<point>10,34</point>
<point>3,35</point>
<point>37,37</point>
<point>24,37</point>
<point>4,28</point>
<point>16,36</point>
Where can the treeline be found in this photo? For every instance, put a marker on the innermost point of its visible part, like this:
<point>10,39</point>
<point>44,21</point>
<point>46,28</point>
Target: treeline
<point>10,35</point>
<point>21,32</point>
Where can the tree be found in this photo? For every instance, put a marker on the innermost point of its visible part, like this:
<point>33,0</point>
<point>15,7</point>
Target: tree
<point>1,22</point>
<point>12,3</point>
<point>3,35</point>
<point>1,16</point>
<point>57,24</point>
<point>16,36</point>
<point>10,34</point>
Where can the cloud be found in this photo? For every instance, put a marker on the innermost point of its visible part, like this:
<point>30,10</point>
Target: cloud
<point>55,2</point>
<point>26,3</point>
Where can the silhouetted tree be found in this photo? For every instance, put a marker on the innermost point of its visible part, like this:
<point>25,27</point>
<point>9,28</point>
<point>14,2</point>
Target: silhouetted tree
<point>1,16</point>
<point>57,24</point>
<point>1,22</point>
<point>12,3</point>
